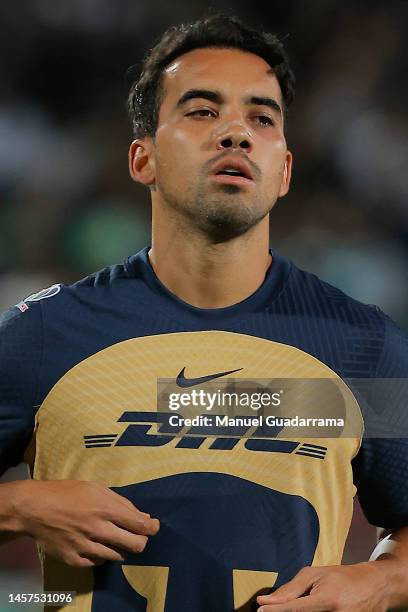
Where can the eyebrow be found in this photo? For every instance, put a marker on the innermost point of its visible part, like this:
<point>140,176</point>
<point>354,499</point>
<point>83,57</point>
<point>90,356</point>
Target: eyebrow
<point>217,98</point>
<point>265,101</point>
<point>206,94</point>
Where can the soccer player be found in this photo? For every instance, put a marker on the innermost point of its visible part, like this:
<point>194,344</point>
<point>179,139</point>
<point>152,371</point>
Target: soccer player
<point>131,513</point>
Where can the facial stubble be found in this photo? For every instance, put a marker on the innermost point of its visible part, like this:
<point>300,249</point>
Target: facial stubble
<point>220,212</point>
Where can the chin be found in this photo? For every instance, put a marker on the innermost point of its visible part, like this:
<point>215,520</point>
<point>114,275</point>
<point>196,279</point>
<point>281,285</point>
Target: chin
<point>231,189</point>
<point>225,225</point>
<point>222,217</point>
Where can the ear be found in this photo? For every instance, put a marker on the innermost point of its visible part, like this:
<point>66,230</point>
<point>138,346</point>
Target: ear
<point>141,161</point>
<point>286,175</point>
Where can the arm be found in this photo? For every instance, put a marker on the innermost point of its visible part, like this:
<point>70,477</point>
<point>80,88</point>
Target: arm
<point>391,556</point>
<point>81,523</point>
<point>10,526</point>
<point>377,585</point>
<point>372,586</point>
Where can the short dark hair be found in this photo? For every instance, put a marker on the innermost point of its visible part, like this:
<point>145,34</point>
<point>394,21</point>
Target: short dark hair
<point>217,31</point>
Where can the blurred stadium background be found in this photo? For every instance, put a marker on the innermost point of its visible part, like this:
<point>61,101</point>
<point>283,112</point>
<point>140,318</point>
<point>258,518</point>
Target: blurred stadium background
<point>68,207</point>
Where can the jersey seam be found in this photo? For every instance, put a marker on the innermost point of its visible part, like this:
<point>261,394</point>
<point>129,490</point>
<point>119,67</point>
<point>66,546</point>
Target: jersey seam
<point>382,349</point>
<point>283,287</point>
<point>37,394</point>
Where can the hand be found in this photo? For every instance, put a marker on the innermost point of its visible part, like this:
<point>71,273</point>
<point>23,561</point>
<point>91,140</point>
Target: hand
<point>342,588</point>
<point>82,523</point>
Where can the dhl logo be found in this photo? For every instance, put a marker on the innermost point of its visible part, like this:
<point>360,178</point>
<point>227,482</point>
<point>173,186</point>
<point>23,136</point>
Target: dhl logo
<point>154,429</point>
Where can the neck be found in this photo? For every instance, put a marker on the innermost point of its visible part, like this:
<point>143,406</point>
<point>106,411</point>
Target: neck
<point>209,275</point>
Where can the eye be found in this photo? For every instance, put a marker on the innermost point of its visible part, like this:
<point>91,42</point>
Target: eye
<point>202,112</point>
<point>264,120</point>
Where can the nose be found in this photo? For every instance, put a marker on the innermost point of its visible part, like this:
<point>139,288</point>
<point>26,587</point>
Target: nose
<point>235,136</point>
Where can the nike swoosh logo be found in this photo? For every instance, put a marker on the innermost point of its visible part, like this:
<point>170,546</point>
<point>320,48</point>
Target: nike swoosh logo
<point>182,381</point>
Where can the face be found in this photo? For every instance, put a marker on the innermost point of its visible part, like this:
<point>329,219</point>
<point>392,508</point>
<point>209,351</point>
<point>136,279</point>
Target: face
<point>219,156</point>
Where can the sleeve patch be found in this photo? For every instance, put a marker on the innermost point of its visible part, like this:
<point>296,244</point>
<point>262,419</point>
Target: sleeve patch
<point>40,295</point>
<point>44,293</point>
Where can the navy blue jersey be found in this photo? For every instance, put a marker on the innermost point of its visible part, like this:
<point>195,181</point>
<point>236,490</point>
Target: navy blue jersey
<point>79,366</point>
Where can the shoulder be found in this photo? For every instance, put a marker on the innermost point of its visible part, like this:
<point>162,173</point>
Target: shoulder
<point>393,362</point>
<point>362,338</point>
<point>31,311</point>
<point>316,296</point>
<point>111,277</point>
<point>104,278</point>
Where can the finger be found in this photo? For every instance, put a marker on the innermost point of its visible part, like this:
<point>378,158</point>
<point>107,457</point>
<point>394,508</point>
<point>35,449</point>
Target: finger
<point>82,562</point>
<point>135,522</point>
<point>298,586</point>
<point>310,603</point>
<point>95,551</point>
<point>115,498</point>
<point>126,502</point>
<point>122,539</point>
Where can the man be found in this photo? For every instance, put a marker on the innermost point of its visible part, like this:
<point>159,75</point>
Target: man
<point>238,516</point>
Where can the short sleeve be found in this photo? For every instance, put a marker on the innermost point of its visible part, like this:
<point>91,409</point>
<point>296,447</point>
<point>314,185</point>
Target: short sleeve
<point>381,467</point>
<point>20,363</point>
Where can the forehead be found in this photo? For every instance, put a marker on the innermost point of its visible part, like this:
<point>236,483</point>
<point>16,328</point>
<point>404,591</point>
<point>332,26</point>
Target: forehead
<point>225,70</point>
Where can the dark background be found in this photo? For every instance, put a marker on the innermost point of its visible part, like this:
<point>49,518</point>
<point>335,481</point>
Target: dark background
<point>68,206</point>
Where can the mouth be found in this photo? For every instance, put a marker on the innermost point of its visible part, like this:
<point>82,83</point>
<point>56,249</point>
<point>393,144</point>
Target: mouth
<point>230,179</point>
<point>232,172</point>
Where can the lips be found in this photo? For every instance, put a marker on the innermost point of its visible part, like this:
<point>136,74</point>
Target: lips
<point>232,167</point>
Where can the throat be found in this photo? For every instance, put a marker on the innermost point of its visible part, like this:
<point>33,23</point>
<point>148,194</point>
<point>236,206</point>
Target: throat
<point>209,282</point>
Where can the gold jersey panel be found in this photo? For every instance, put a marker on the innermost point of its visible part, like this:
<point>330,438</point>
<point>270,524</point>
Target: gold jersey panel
<point>90,403</point>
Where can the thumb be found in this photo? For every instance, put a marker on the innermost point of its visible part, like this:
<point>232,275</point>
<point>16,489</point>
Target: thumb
<point>293,589</point>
